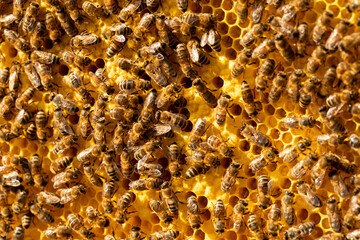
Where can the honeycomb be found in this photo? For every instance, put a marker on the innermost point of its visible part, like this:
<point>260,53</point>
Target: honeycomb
<point>217,75</point>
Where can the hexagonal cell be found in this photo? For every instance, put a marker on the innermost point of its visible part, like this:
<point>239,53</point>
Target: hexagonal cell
<point>231,18</point>
<point>227,5</point>
<point>207,9</point>
<point>216,3</point>
<point>235,31</point>
<point>220,15</point>
<point>230,54</point>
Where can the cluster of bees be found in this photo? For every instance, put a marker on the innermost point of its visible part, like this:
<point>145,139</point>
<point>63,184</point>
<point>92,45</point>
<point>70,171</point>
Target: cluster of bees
<point>108,131</point>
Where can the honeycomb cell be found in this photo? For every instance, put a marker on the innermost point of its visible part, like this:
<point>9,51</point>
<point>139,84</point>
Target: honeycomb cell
<point>256,150</point>
<point>220,15</point>
<point>244,145</point>
<point>231,18</point>
<point>315,217</point>
<point>325,223</point>
<point>237,46</point>
<point>223,28</point>
<point>203,201</point>
<point>225,162</point>
<point>320,6</point>
<point>243,192</point>
<point>195,7</point>
<point>286,137</point>
<point>218,82</point>
<point>216,3</point>
<point>100,63</point>
<point>235,32</point>
<point>186,82</point>
<point>226,41</point>
<point>275,133</point>
<point>235,109</point>
<point>188,231</point>
<point>207,9</point>
<point>199,235</point>
<point>205,216</point>
<point>227,5</point>
<point>15,150</point>
<point>251,183</point>
<point>318,232</point>
<point>302,214</point>
<point>230,54</point>
<point>63,70</point>
<point>12,52</point>
<point>233,200</point>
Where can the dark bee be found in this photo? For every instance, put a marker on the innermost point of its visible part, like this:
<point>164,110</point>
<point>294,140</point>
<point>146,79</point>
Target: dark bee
<point>116,45</point>
<point>264,74</point>
<point>28,22</point>
<point>241,61</point>
<point>308,90</point>
<point>264,49</point>
<point>204,92</point>
<point>253,34</point>
<point>241,8</point>
<point>197,55</point>
<point>52,26</point>
<point>332,122</point>
<point>41,213</point>
<point>257,11</point>
<point>212,38</point>
<point>146,23</point>
<point>293,85</point>
<point>317,59</point>
<point>94,10</point>
<point>322,25</point>
<point>255,228</point>
<point>278,86</point>
<point>300,231</point>
<point>76,60</point>
<point>334,214</point>
<point>308,194</point>
<point>248,98</point>
<point>37,35</point>
<point>131,9</point>
<point>303,30</point>
<point>327,82</point>
<point>117,29</point>
<point>287,208</point>
<point>66,22</point>
<point>284,48</point>
<point>73,10</point>
<point>19,43</point>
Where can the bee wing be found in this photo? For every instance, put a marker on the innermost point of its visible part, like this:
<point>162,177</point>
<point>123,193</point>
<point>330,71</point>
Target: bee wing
<point>51,198</point>
<point>194,53</point>
<point>204,39</point>
<point>59,179</point>
<point>66,196</point>
<point>207,146</point>
<point>286,151</point>
<point>161,129</point>
<point>317,175</point>
<point>213,35</point>
<point>257,10</point>
<point>119,38</point>
<point>90,39</point>
<point>333,111</point>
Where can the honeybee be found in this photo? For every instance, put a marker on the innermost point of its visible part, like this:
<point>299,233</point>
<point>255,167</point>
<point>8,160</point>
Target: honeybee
<point>91,174</point>
<point>215,143</point>
<point>241,8</point>
<point>131,9</point>
<point>257,11</point>
<point>338,98</point>
<point>166,65</point>
<point>183,59</point>
<point>28,22</point>
<point>40,178</point>
<point>317,173</point>
<point>33,76</point>
<point>76,60</point>
<point>293,86</point>
<point>20,201</point>
<point>161,211</point>
<point>22,118</point>
<point>149,169</point>
<point>332,122</point>
<point>339,184</point>
<point>84,125</point>
<point>166,234</point>
<point>48,198</point>
<point>36,36</point>
<point>94,10</point>
<point>284,48</point>
<point>354,141</point>
<point>278,86</point>
<point>67,176</point>
<point>60,231</point>
<point>321,26</point>
<point>299,231</point>
<point>146,184</point>
<point>76,224</point>
<point>333,236</point>
<point>25,167</point>
<point>204,92</point>
<point>170,199</point>
<point>300,169</point>
<point>290,10</point>
<point>17,12</point>
<point>107,194</point>
<point>253,34</point>
<point>212,38</point>
<point>4,76</point>
<point>19,233</point>
<point>41,213</point>
<point>354,109</point>
<point>222,109</point>
<point>330,140</point>
<point>44,72</point>
<point>308,194</point>
<point>176,121</point>
<point>146,22</point>
<point>52,26</point>
<point>5,209</point>
<point>45,57</point>
<point>165,35</point>
<point>248,98</point>
<point>156,74</point>
<point>255,228</point>
<point>196,133</point>
<point>317,59</point>
<point>61,124</point>
<point>84,40</point>
<point>273,222</point>
<point>71,194</point>
<point>112,6</point>
<point>131,67</point>
<point>263,197</point>
<point>327,82</point>
<point>66,22</point>
<point>353,235</point>
<point>110,166</point>
<point>94,217</point>
<point>254,136</point>
<point>14,78</point>
<point>240,209</point>
<point>334,215</point>
<point>64,143</point>
<point>60,164</point>
<point>197,55</point>
<point>182,5</point>
<point>103,84</point>
<point>336,35</point>
<point>18,42</point>
<point>291,153</point>
<point>24,98</point>
<point>230,176</point>
<point>73,10</point>
<point>174,164</point>
<point>263,49</point>
<point>193,212</point>
<point>308,90</point>
<point>117,29</point>
<point>219,210</point>
<point>5,133</point>
<point>8,21</point>
<point>130,85</point>
<point>303,30</point>
<point>287,209</point>
<point>349,41</point>
<point>281,27</point>
<point>5,227</point>
<point>265,72</point>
